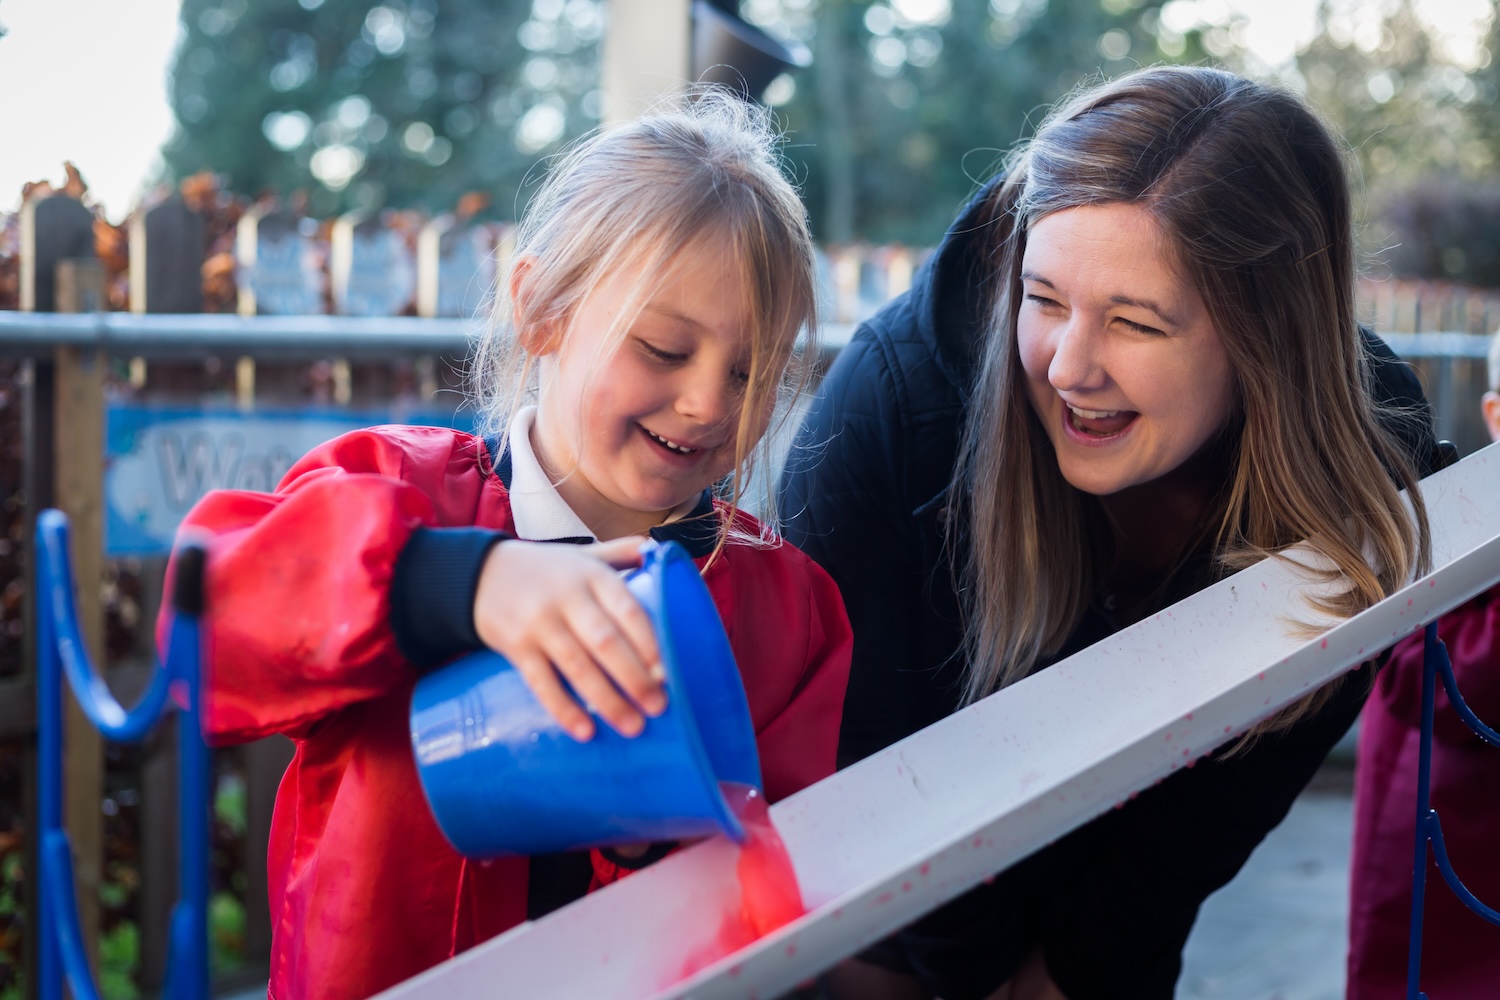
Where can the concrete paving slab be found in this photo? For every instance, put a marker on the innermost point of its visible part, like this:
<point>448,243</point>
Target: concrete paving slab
<point>1278,931</point>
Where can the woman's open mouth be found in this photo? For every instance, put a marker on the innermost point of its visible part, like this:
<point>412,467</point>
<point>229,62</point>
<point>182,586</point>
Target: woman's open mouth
<point>1097,425</point>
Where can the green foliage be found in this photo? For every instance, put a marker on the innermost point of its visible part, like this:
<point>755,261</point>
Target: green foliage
<point>409,102</point>
<point>12,889</point>
<point>901,116</point>
<point>412,102</point>
<point>1424,130</point>
<point>113,895</point>
<point>230,804</point>
<point>12,882</point>
<point>226,932</point>
<point>119,956</point>
<point>1400,103</point>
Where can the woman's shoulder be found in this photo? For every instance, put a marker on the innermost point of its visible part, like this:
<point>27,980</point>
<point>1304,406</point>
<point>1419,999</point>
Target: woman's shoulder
<point>1400,405</point>
<point>886,375</point>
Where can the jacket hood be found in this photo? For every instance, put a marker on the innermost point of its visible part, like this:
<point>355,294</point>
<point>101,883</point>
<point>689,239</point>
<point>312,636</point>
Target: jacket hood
<point>952,289</point>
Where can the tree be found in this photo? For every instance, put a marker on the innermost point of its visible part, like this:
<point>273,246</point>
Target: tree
<point>1424,130</point>
<point>1377,72</point>
<point>910,103</point>
<point>401,102</point>
<point>411,102</point>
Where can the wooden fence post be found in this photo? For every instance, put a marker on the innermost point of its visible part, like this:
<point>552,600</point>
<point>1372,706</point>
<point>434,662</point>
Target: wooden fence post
<point>59,273</point>
<point>370,267</point>
<point>457,264</point>
<point>53,229</point>
<point>78,419</point>
<point>157,811</point>
<point>276,277</point>
<point>166,259</point>
<point>36,475</point>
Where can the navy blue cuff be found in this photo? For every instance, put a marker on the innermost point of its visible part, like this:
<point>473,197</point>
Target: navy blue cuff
<point>650,856</point>
<point>432,593</point>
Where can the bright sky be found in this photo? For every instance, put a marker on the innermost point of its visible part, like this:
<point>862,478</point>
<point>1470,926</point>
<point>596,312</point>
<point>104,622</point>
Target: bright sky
<point>86,80</point>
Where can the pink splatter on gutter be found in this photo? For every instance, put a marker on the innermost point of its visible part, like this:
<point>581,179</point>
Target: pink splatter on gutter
<point>901,832</point>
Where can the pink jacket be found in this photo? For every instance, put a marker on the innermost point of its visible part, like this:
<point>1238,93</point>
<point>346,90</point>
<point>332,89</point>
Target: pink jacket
<point>1460,951</point>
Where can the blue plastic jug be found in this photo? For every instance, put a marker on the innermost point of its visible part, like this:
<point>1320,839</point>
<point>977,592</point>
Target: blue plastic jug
<point>502,777</point>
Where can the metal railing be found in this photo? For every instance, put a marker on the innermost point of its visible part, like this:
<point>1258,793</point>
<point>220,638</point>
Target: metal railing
<point>61,654</point>
<point>190,335</point>
<point>1435,664</point>
<point>290,337</point>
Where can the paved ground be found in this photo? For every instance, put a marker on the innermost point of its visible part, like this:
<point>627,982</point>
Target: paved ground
<point>1277,932</point>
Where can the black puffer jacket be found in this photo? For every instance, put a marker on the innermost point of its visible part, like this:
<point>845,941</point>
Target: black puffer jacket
<point>865,495</point>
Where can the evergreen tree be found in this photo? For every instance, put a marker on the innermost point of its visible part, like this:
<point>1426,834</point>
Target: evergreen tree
<point>908,103</point>
<point>401,102</point>
<point>1404,109</point>
<point>1424,132</point>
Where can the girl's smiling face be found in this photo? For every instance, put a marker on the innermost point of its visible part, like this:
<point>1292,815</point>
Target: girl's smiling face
<point>633,427</point>
<point>1123,365</point>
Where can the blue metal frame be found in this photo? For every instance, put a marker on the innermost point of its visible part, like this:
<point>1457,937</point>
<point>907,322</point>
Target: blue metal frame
<point>1435,662</point>
<point>61,652</point>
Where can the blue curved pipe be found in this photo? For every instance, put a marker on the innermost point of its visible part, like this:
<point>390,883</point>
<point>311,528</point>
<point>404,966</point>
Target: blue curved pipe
<point>56,602</point>
<point>61,654</point>
<point>1435,664</point>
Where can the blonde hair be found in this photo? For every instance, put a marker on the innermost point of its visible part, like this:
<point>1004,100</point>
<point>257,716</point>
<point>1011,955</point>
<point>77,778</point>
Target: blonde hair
<point>1249,188</point>
<point>637,195</point>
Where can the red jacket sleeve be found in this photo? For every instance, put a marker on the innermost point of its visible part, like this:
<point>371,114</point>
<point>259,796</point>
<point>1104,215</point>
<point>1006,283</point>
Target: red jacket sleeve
<point>299,580</point>
<point>1472,634</point>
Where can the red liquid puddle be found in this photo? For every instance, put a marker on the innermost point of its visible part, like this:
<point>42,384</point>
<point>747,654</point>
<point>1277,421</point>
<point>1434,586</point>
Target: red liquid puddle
<point>769,896</point>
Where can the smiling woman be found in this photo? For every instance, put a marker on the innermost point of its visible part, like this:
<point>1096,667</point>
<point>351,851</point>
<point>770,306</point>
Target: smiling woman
<point>1123,365</point>
<point>1131,368</point>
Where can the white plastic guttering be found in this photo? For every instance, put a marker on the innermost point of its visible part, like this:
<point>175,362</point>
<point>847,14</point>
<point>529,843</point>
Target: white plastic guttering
<point>881,843</point>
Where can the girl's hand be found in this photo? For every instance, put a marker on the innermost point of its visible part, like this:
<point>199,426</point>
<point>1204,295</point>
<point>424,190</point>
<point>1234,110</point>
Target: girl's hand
<point>562,608</point>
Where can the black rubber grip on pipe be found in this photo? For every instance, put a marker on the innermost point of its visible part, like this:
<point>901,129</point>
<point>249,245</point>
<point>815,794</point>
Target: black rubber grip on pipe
<point>188,590</point>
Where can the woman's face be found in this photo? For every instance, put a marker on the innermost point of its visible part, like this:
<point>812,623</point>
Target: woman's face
<point>1123,366</point>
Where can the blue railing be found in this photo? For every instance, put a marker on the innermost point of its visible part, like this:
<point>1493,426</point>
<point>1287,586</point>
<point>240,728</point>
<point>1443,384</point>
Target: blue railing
<point>1435,663</point>
<point>61,652</point>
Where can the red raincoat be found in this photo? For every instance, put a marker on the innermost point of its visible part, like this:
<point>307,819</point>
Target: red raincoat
<point>364,890</point>
<point>1460,951</point>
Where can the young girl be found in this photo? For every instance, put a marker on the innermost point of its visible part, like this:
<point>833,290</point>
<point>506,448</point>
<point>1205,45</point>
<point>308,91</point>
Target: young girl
<point>661,278</point>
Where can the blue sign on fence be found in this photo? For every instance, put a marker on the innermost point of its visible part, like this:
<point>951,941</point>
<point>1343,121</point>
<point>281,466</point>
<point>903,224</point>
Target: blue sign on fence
<point>160,460</point>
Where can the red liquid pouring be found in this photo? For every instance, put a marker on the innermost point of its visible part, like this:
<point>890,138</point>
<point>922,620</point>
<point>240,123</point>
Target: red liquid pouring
<point>768,886</point>
<point>769,897</point>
